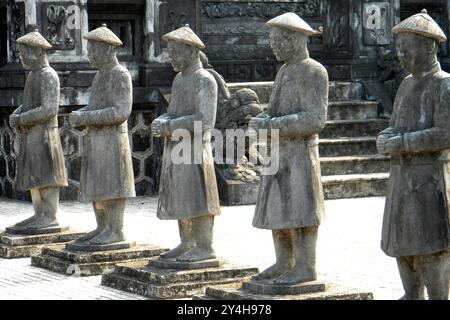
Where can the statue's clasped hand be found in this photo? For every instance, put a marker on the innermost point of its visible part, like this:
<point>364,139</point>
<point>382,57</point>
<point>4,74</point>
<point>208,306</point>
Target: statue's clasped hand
<point>389,143</point>
<point>14,120</point>
<point>156,128</point>
<point>258,123</point>
<point>74,119</point>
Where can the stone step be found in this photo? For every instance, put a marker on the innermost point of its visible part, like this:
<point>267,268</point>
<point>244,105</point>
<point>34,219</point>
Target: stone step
<point>144,273</point>
<point>331,166</point>
<point>235,291</point>
<point>339,91</point>
<point>156,291</point>
<point>353,128</point>
<point>350,110</point>
<point>355,185</point>
<point>348,146</point>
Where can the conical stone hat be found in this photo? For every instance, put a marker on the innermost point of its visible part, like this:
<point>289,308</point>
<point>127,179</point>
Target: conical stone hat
<point>185,35</point>
<point>34,39</point>
<point>422,24</point>
<point>103,34</point>
<point>292,22</point>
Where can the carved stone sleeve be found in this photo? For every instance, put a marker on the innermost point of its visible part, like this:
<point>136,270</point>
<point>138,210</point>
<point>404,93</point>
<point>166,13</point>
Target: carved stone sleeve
<point>436,138</point>
<point>49,100</point>
<point>207,107</point>
<point>314,103</point>
<point>121,104</point>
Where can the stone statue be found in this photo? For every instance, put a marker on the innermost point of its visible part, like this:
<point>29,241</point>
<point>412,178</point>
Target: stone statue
<point>40,162</point>
<point>234,112</point>
<point>291,202</point>
<point>416,228</point>
<point>188,191</point>
<point>107,171</point>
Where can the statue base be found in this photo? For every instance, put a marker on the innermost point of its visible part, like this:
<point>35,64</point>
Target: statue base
<point>259,290</point>
<point>169,279</point>
<point>19,242</point>
<point>85,261</point>
<point>235,192</point>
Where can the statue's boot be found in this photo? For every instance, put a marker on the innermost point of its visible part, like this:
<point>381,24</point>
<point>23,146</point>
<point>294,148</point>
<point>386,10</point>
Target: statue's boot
<point>100,217</point>
<point>202,230</point>
<point>412,278</point>
<point>436,271</point>
<point>283,243</point>
<point>304,270</point>
<point>113,233</point>
<point>37,205</point>
<point>49,206</point>
<point>186,237</point>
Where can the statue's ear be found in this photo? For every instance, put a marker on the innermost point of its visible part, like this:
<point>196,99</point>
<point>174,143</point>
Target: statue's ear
<point>433,46</point>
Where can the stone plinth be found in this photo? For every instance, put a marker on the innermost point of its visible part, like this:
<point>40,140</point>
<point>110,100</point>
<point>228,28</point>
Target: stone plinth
<point>168,283</point>
<point>309,291</point>
<point>266,287</point>
<point>89,263</point>
<point>235,192</point>
<point>15,243</point>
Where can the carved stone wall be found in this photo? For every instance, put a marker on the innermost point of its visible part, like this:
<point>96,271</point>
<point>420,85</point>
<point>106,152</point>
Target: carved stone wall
<point>236,37</point>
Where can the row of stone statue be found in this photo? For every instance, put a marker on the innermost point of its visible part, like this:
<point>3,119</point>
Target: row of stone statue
<point>416,227</point>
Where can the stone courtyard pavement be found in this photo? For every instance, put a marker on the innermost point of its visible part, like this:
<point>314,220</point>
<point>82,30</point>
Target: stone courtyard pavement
<point>348,249</point>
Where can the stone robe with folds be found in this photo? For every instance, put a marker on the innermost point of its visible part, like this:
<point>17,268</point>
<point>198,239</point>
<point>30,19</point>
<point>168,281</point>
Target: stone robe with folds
<point>189,190</point>
<point>107,169</point>
<point>293,197</point>
<point>416,217</point>
<point>40,159</point>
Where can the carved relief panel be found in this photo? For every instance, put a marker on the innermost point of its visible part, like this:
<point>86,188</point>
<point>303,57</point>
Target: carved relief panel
<point>56,24</point>
<point>237,40</point>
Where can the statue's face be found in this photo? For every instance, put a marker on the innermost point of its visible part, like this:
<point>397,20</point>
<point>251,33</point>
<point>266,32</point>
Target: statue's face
<point>181,55</point>
<point>286,44</point>
<point>30,56</point>
<point>99,54</point>
<point>413,51</point>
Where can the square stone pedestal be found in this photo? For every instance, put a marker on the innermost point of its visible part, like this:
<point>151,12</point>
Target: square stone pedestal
<point>235,192</point>
<point>169,279</point>
<point>19,242</point>
<point>263,290</point>
<point>90,261</point>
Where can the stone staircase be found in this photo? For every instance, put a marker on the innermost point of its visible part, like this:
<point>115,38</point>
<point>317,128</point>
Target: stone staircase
<point>351,166</point>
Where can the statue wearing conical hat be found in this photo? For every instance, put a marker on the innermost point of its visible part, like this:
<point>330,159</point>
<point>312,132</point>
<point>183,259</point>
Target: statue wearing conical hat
<point>107,173</point>
<point>188,189</point>
<point>416,226</point>
<point>40,159</point>
<point>291,201</point>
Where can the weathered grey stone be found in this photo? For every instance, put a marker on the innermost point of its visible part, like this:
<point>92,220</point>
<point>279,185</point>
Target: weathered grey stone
<point>297,110</point>
<point>352,110</point>
<point>355,185</point>
<point>26,231</point>
<point>14,246</point>
<point>79,246</point>
<point>235,192</point>
<point>90,263</point>
<point>162,263</point>
<point>40,160</point>
<point>268,288</point>
<point>351,146</point>
<point>139,277</point>
<point>194,100</point>
<point>362,164</point>
<point>353,128</point>
<point>107,172</point>
<point>235,292</point>
<point>416,219</point>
